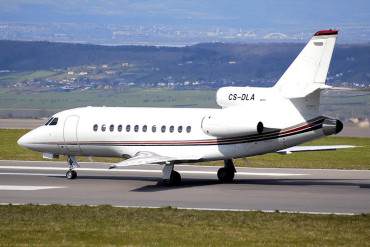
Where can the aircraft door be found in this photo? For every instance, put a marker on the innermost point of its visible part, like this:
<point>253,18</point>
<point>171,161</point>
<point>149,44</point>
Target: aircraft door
<point>70,136</point>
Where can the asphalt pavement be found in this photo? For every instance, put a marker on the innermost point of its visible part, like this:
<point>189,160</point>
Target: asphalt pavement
<point>266,189</point>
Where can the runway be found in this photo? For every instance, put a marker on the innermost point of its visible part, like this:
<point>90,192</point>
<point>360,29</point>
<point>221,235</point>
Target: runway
<point>267,189</point>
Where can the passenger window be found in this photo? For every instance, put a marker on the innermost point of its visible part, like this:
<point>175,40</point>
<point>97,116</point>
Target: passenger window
<point>54,121</point>
<point>111,127</point>
<point>136,128</point>
<point>119,128</point>
<point>172,128</point>
<point>95,128</point>
<point>163,129</point>
<point>145,128</point>
<point>188,129</point>
<point>50,119</point>
<point>128,127</point>
<point>154,128</point>
<point>179,129</point>
<point>103,127</point>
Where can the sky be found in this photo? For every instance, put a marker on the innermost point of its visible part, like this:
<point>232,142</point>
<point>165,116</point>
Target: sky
<point>268,15</point>
<point>236,13</point>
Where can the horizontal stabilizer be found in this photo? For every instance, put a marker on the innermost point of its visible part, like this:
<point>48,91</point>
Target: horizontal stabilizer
<point>313,148</point>
<point>347,89</point>
<point>308,90</point>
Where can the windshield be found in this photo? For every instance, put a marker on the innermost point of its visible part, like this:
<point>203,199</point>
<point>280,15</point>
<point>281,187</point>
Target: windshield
<point>50,119</point>
<point>54,121</point>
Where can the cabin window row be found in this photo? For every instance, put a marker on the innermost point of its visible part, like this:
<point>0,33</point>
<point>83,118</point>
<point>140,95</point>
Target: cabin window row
<point>144,128</point>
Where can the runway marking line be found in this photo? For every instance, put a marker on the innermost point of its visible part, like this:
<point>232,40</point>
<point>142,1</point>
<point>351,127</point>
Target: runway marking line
<point>32,174</point>
<point>185,165</point>
<point>28,187</point>
<point>272,174</point>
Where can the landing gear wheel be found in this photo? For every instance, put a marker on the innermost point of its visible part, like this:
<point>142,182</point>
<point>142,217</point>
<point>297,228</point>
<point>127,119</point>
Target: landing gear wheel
<point>225,175</point>
<point>71,174</point>
<point>175,179</point>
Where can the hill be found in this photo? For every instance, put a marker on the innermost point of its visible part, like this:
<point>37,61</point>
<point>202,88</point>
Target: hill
<point>253,64</point>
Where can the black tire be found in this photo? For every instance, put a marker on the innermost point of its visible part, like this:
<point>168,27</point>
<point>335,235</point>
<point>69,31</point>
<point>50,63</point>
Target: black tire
<point>225,175</point>
<point>71,174</point>
<point>175,178</point>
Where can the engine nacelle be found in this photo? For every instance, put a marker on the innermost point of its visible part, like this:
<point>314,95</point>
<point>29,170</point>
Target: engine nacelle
<point>223,124</point>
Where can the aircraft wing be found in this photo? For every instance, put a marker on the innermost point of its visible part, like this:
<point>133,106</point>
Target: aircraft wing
<point>144,158</point>
<point>313,148</point>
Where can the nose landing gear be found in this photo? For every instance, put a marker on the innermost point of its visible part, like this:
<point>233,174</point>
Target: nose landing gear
<point>71,174</point>
<point>72,164</point>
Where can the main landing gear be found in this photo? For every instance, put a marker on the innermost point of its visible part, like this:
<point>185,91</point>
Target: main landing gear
<point>226,174</point>
<point>72,164</point>
<point>170,176</point>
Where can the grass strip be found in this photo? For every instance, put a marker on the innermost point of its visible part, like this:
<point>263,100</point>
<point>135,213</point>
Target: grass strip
<point>55,225</point>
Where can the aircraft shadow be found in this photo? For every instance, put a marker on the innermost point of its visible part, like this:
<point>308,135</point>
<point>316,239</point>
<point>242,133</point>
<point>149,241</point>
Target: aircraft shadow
<point>188,182</point>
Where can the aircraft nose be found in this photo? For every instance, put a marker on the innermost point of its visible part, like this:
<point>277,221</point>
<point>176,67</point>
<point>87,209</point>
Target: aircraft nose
<point>24,141</point>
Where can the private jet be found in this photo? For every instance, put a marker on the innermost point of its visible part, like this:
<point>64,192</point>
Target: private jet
<point>250,121</point>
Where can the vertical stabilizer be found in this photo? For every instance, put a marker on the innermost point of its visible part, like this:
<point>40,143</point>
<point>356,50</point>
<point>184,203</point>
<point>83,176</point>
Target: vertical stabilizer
<point>309,70</point>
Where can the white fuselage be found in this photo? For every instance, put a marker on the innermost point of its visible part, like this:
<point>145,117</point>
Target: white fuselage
<point>125,131</point>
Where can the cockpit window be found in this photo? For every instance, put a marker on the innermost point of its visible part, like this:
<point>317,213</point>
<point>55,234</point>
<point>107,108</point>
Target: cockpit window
<point>54,121</point>
<point>50,119</point>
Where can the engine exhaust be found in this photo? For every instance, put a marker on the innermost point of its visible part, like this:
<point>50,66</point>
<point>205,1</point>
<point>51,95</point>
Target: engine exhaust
<point>332,126</point>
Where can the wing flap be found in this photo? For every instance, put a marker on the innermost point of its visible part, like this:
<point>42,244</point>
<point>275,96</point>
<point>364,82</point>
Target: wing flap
<point>143,158</point>
<point>313,148</point>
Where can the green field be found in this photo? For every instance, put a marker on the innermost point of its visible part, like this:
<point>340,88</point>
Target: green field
<point>355,158</point>
<point>15,77</point>
<point>108,226</point>
<point>159,97</point>
<point>339,105</point>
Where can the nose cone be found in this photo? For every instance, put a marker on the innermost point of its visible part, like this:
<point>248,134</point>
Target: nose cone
<point>25,140</point>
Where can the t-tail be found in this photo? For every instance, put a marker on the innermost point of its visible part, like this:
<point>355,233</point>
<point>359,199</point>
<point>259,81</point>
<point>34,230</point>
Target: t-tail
<point>295,95</point>
<point>309,70</point>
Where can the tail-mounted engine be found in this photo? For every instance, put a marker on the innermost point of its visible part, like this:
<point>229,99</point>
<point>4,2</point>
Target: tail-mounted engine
<point>226,125</point>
